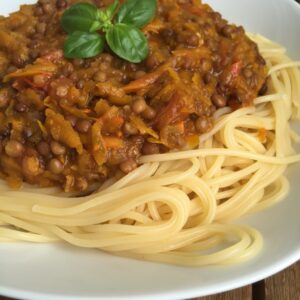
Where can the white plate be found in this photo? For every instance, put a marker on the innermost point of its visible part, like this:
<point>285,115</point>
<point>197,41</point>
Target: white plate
<point>62,272</point>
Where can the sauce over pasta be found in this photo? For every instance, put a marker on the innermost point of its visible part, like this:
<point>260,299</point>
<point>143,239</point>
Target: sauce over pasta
<point>75,122</point>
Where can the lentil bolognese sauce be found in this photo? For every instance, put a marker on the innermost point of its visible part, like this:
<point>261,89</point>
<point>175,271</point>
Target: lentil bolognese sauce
<point>75,122</point>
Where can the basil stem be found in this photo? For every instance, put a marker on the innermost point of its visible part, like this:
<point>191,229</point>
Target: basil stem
<point>107,14</point>
<point>128,42</point>
<point>83,45</point>
<point>137,13</point>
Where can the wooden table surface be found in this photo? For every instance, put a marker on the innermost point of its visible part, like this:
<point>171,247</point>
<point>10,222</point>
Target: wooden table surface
<point>282,286</point>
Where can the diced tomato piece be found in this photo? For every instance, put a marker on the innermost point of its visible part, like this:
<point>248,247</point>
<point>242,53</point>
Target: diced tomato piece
<point>235,69</point>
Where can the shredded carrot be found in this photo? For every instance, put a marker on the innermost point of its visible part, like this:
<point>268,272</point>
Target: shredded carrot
<point>17,124</point>
<point>114,124</point>
<point>115,94</point>
<point>113,142</point>
<point>196,79</point>
<point>154,27</point>
<point>101,107</point>
<point>50,104</point>
<point>79,113</point>
<point>145,81</point>
<point>138,123</point>
<point>193,141</point>
<point>84,162</point>
<point>62,130</point>
<point>200,52</point>
<point>172,112</point>
<point>33,98</point>
<point>180,127</point>
<point>10,108</point>
<point>38,86</point>
<point>98,146</point>
<point>46,68</point>
<point>155,141</point>
<point>262,135</point>
<point>70,180</point>
<point>42,128</point>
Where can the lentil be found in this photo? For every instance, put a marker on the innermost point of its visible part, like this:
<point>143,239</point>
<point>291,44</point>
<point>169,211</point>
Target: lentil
<point>4,98</point>
<point>247,73</point>
<point>43,148</point>
<point>31,165</point>
<point>71,119</point>
<point>100,76</point>
<point>129,129</point>
<point>57,148</point>
<point>21,107</point>
<point>61,4</point>
<point>149,113</point>
<point>83,126</point>
<point>128,166</point>
<point>139,106</point>
<point>218,100</point>
<point>14,148</point>
<point>203,125</point>
<point>81,184</point>
<point>55,166</point>
<point>149,149</point>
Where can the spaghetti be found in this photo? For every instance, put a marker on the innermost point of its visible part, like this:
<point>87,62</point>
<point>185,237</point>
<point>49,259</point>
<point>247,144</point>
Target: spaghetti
<point>180,207</point>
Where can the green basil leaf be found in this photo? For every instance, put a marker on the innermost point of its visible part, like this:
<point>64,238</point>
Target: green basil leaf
<point>83,45</point>
<point>81,17</point>
<point>137,12</point>
<point>128,42</point>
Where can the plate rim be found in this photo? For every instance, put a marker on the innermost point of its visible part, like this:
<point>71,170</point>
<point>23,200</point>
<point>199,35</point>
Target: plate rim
<point>182,292</point>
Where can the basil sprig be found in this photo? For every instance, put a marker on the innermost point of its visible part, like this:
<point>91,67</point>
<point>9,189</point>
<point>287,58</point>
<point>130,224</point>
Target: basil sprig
<point>119,25</point>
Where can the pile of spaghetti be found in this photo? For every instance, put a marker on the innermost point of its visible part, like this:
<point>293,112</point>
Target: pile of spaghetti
<point>180,207</point>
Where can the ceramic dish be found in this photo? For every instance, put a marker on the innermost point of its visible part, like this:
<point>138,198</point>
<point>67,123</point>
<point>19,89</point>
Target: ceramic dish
<point>61,272</point>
